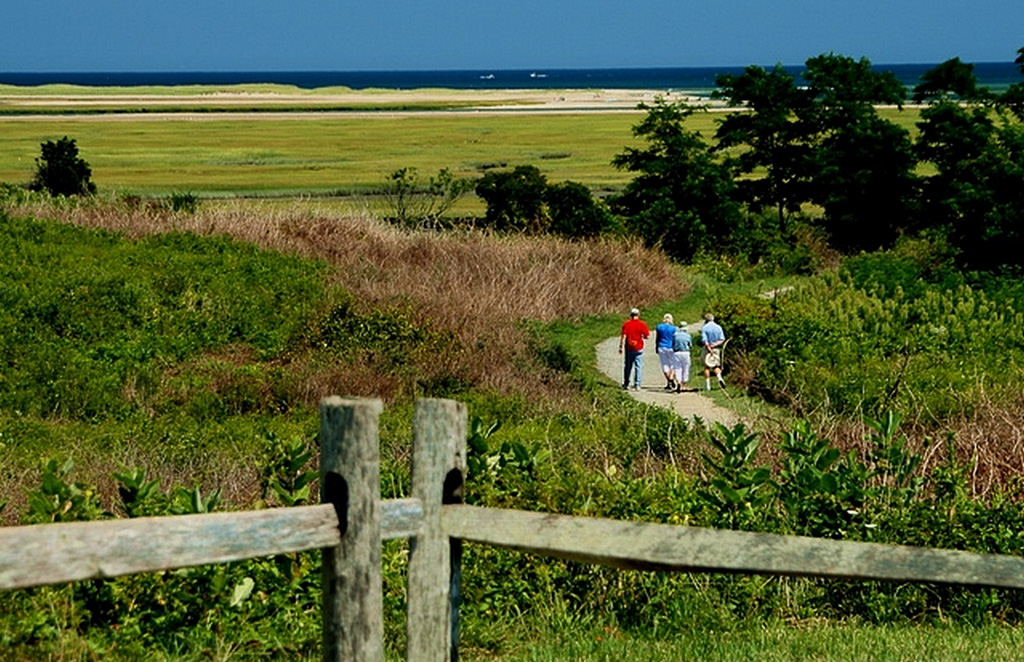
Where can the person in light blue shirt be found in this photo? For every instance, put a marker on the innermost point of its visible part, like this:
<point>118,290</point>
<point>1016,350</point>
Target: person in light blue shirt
<point>712,337</point>
<point>664,334</point>
<point>681,343</point>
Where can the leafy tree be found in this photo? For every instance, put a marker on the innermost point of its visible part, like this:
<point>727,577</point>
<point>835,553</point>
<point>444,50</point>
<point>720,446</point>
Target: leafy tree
<point>846,89</point>
<point>1013,97</point>
<point>682,197</point>
<point>574,212</point>
<point>515,200</point>
<point>951,136</point>
<point>823,143</point>
<point>1013,100</point>
<point>977,194</point>
<point>863,165</point>
<point>523,200</point>
<point>864,180</point>
<point>952,77</point>
<point>775,141</point>
<point>60,171</point>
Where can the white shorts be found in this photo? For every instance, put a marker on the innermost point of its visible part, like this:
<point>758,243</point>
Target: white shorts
<point>668,360</point>
<point>683,367</point>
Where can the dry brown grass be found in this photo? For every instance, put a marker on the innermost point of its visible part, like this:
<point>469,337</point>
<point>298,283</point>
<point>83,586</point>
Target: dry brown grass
<point>987,443</point>
<point>990,444</point>
<point>476,284</point>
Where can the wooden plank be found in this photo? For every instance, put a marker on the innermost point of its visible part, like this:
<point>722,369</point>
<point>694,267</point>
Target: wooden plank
<point>45,554</point>
<point>438,471</point>
<point>400,518</point>
<point>58,553</point>
<point>353,603</point>
<point>645,546</point>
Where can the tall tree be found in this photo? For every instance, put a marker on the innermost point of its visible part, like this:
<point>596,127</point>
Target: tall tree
<point>773,139</point>
<point>864,180</point>
<point>1013,97</point>
<point>863,175</point>
<point>1013,100</point>
<point>951,78</point>
<point>977,193</point>
<point>846,90</point>
<point>682,197</point>
<point>951,136</point>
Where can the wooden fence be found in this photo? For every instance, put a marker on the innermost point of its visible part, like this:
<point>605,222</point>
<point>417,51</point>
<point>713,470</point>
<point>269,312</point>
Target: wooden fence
<point>352,520</point>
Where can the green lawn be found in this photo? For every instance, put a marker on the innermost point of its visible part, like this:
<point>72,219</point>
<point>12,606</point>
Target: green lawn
<point>780,643</point>
<point>329,153</point>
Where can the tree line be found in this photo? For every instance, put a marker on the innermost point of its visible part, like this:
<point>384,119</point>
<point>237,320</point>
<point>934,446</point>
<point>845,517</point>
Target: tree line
<point>797,155</point>
<point>821,153</point>
<point>792,158</point>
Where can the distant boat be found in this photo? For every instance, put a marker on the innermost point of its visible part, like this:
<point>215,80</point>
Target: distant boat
<point>534,74</point>
<point>487,77</point>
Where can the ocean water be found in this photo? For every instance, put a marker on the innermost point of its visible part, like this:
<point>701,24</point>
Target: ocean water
<point>995,75</point>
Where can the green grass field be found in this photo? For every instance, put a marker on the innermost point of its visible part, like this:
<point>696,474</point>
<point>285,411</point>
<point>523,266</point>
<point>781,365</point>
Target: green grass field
<point>321,154</point>
<point>325,153</point>
<point>780,643</point>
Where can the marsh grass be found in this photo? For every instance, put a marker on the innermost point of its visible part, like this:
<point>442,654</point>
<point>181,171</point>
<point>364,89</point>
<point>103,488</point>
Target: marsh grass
<point>781,643</point>
<point>328,154</point>
<point>318,155</point>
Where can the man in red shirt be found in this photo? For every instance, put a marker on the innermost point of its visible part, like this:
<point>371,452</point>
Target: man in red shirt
<point>634,332</point>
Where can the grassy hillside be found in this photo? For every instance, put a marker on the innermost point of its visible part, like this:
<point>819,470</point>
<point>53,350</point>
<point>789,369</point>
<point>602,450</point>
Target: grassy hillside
<point>145,345</point>
<point>155,327</point>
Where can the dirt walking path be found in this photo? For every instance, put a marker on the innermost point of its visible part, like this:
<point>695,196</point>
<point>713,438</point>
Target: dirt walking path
<point>688,404</point>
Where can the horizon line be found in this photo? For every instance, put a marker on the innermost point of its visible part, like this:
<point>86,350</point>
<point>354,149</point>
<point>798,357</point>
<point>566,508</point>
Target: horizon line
<point>457,69</point>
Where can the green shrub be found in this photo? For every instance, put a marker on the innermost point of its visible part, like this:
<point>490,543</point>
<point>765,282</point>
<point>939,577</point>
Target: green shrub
<point>96,326</point>
<point>855,344</point>
<point>61,171</point>
<point>182,201</point>
<point>574,212</point>
<point>58,499</point>
<point>413,203</point>
<point>515,199</point>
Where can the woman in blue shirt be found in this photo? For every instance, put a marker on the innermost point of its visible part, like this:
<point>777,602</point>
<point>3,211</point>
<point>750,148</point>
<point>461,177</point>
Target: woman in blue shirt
<point>681,343</point>
<point>664,335</point>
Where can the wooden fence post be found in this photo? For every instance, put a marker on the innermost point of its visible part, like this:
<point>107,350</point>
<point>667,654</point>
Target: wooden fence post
<point>353,621</point>
<point>438,473</point>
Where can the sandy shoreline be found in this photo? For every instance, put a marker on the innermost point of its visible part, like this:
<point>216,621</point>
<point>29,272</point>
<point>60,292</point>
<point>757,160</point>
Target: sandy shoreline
<point>375,101</point>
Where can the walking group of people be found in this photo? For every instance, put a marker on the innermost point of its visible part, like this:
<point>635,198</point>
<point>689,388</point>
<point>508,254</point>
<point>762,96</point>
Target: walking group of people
<point>673,343</point>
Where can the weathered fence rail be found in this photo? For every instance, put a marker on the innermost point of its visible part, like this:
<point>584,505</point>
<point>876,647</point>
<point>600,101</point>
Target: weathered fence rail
<point>352,521</point>
<point>60,553</point>
<point>665,547</point>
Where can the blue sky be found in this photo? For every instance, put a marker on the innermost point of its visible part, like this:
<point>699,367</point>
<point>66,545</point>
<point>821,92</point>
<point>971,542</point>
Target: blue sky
<point>283,35</point>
